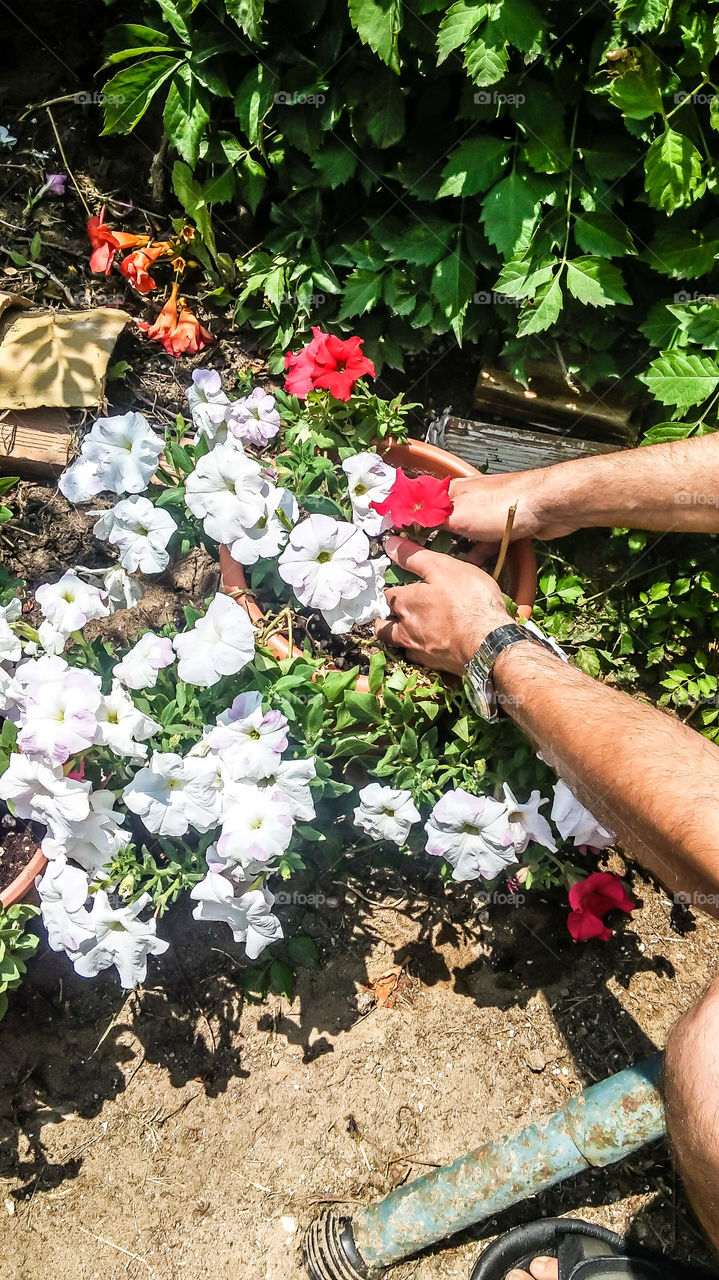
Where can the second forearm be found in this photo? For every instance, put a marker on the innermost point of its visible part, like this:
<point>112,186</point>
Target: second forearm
<point>643,774</point>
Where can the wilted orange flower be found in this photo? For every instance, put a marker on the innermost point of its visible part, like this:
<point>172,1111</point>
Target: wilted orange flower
<point>106,242</point>
<point>176,328</point>
<point>135,267</point>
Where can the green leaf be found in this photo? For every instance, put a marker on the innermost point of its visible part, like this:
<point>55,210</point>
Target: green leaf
<point>282,980</point>
<point>602,234</point>
<point>384,121</point>
<point>518,22</point>
<point>457,25</point>
<point>473,166</point>
<point>700,322</point>
<point>520,278</point>
<point>362,290</point>
<point>377,666</point>
<point>510,211</point>
<point>248,15</point>
<point>303,951</point>
<point>186,115</point>
<point>129,93</point>
<point>254,99</point>
<point>537,317</point>
<point>636,92</point>
<point>336,165</point>
<point>252,180</point>
<point>682,254</point>
<point>665,432</point>
<point>673,172</point>
<point>484,63</point>
<point>171,13</point>
<point>378,24</point>
<point>643,15</point>
<point>596,282</point>
<point>453,283</point>
<point>680,379</point>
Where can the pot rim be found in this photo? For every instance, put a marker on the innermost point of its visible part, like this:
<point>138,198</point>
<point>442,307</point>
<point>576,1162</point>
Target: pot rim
<point>19,888</point>
<point>437,461</point>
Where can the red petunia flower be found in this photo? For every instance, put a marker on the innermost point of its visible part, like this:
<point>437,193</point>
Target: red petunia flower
<point>106,242</point>
<point>327,362</point>
<point>135,267</point>
<point>590,901</point>
<point>424,501</point>
<point>176,328</point>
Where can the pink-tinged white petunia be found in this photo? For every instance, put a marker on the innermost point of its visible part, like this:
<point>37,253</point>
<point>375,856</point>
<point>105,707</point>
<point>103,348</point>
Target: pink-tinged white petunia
<point>9,692</point>
<point>289,777</point>
<point>59,717</point>
<point>10,643</point>
<point>245,732</point>
<point>369,479</point>
<point>371,602</point>
<point>43,794</point>
<point>209,405</point>
<point>122,591</point>
<point>171,794</point>
<point>574,822</point>
<point>265,539</point>
<point>66,605</point>
<point>386,813</point>
<point>256,829</point>
<point>227,492</point>
<point>63,891</point>
<point>121,727</point>
<point>254,419</point>
<point>220,644</point>
<point>142,663</point>
<point>120,938</point>
<point>472,833</point>
<point>94,841</point>
<point>120,454</point>
<point>141,533</point>
<point>248,914</point>
<point>326,561</point>
<point>527,822</point>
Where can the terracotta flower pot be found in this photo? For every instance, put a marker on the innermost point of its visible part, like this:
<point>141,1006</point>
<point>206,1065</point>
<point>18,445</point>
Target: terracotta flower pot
<point>20,887</point>
<point>520,565</point>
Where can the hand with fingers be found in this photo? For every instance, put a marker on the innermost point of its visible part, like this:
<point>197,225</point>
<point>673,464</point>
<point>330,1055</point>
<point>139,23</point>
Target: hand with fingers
<point>442,619</point>
<point>481,506</point>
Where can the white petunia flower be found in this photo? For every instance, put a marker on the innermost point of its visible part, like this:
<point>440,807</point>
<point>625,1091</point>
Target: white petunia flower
<point>254,419</point>
<point>290,777</point>
<point>386,813</point>
<point>63,891</point>
<point>227,492</point>
<point>120,454</point>
<point>575,822</point>
<point>171,794</point>
<point>209,405</point>
<point>371,602</point>
<point>141,664</point>
<point>472,833</point>
<point>10,644</point>
<point>121,726</point>
<point>66,605</point>
<point>94,841</point>
<point>220,644</point>
<point>527,822</point>
<point>140,531</point>
<point>265,539</point>
<point>369,480</point>
<point>9,693</point>
<point>43,794</point>
<point>326,561</point>
<point>123,592</point>
<point>245,733</point>
<point>248,914</point>
<point>59,717</point>
<point>120,938</point>
<point>256,828</point>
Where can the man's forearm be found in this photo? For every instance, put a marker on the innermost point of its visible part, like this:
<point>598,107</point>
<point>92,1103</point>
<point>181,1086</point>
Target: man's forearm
<point>662,487</point>
<point>646,776</point>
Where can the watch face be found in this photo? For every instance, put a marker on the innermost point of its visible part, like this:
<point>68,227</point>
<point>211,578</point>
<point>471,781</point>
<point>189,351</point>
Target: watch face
<point>480,695</point>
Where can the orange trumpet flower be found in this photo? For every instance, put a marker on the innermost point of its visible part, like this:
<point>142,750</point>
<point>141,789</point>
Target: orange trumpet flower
<point>106,242</point>
<point>176,328</point>
<point>135,267</point>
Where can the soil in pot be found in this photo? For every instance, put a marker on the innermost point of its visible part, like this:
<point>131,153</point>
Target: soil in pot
<point>17,847</point>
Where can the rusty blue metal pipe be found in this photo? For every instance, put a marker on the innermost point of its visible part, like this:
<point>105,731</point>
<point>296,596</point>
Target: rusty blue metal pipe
<point>605,1123</point>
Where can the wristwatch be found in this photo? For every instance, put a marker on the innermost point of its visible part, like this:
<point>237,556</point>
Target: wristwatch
<point>477,680</point>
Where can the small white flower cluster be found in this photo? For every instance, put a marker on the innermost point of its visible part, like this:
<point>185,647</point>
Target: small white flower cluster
<point>478,836</point>
<point>235,779</point>
<point>327,562</point>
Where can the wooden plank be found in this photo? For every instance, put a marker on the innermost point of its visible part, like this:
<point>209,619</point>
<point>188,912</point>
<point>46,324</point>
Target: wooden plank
<point>34,442</point>
<point>549,404</point>
<point>496,449</point>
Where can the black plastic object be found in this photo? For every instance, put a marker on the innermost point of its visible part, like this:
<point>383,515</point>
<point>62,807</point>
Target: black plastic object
<point>330,1250</point>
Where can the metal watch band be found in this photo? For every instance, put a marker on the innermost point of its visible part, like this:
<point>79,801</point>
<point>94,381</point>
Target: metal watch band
<point>498,640</point>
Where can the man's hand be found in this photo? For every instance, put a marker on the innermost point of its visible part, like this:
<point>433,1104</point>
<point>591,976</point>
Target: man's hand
<point>442,620</point>
<point>481,506</point>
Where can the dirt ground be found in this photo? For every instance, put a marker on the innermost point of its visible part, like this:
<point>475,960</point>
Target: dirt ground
<point>179,1132</point>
